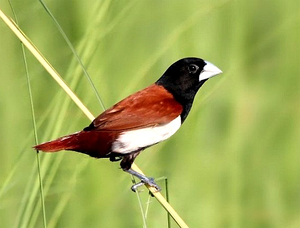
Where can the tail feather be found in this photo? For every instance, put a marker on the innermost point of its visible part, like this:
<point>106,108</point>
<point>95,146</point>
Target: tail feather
<point>95,144</point>
<point>63,143</point>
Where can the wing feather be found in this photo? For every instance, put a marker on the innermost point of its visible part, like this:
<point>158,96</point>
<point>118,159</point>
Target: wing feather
<point>149,107</point>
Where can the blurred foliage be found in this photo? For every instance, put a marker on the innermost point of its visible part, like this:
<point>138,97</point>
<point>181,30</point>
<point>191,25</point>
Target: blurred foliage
<point>234,163</point>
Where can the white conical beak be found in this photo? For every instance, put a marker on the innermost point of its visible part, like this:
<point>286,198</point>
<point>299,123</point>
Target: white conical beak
<point>209,71</point>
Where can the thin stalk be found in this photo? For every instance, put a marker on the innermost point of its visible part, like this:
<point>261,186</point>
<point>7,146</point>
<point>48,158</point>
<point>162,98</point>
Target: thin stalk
<point>33,124</point>
<point>48,67</point>
<point>148,204</point>
<point>140,204</point>
<point>168,200</point>
<point>74,53</point>
<point>35,139</point>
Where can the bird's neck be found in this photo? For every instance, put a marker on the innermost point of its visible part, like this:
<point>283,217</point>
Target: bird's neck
<point>185,98</point>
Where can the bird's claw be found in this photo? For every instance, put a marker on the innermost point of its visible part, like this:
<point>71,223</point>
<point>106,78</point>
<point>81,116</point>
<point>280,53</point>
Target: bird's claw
<point>135,187</point>
<point>146,181</point>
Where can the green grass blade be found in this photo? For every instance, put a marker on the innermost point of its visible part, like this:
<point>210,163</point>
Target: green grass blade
<point>140,204</point>
<point>42,198</point>
<point>74,52</point>
<point>35,140</point>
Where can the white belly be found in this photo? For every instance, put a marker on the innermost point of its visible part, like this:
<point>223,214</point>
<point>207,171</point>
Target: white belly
<point>134,140</point>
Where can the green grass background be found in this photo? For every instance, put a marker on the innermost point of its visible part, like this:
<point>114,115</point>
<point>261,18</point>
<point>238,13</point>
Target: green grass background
<point>234,163</point>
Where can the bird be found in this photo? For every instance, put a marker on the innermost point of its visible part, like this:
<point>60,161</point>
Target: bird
<point>142,119</point>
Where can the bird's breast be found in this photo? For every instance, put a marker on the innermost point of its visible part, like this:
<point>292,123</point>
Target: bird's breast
<point>135,140</point>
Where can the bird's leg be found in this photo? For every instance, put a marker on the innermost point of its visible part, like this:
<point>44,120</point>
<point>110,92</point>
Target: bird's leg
<point>144,180</point>
<point>126,166</point>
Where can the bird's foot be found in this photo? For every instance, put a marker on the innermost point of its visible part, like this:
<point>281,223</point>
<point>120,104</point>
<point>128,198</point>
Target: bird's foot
<point>144,181</point>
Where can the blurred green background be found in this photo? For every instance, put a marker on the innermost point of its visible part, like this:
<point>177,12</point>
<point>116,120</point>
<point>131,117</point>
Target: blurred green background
<point>234,163</point>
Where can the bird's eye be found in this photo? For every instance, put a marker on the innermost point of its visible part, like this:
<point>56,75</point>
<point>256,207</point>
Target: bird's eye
<point>193,68</point>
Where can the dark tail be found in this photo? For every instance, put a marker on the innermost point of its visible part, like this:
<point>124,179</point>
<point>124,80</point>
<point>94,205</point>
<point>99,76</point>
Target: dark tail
<point>94,143</point>
<point>68,142</point>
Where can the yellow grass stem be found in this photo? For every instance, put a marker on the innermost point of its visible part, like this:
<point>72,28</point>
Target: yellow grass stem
<point>23,38</point>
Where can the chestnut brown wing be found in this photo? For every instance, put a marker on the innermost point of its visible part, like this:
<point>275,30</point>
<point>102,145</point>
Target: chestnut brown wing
<point>149,107</point>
